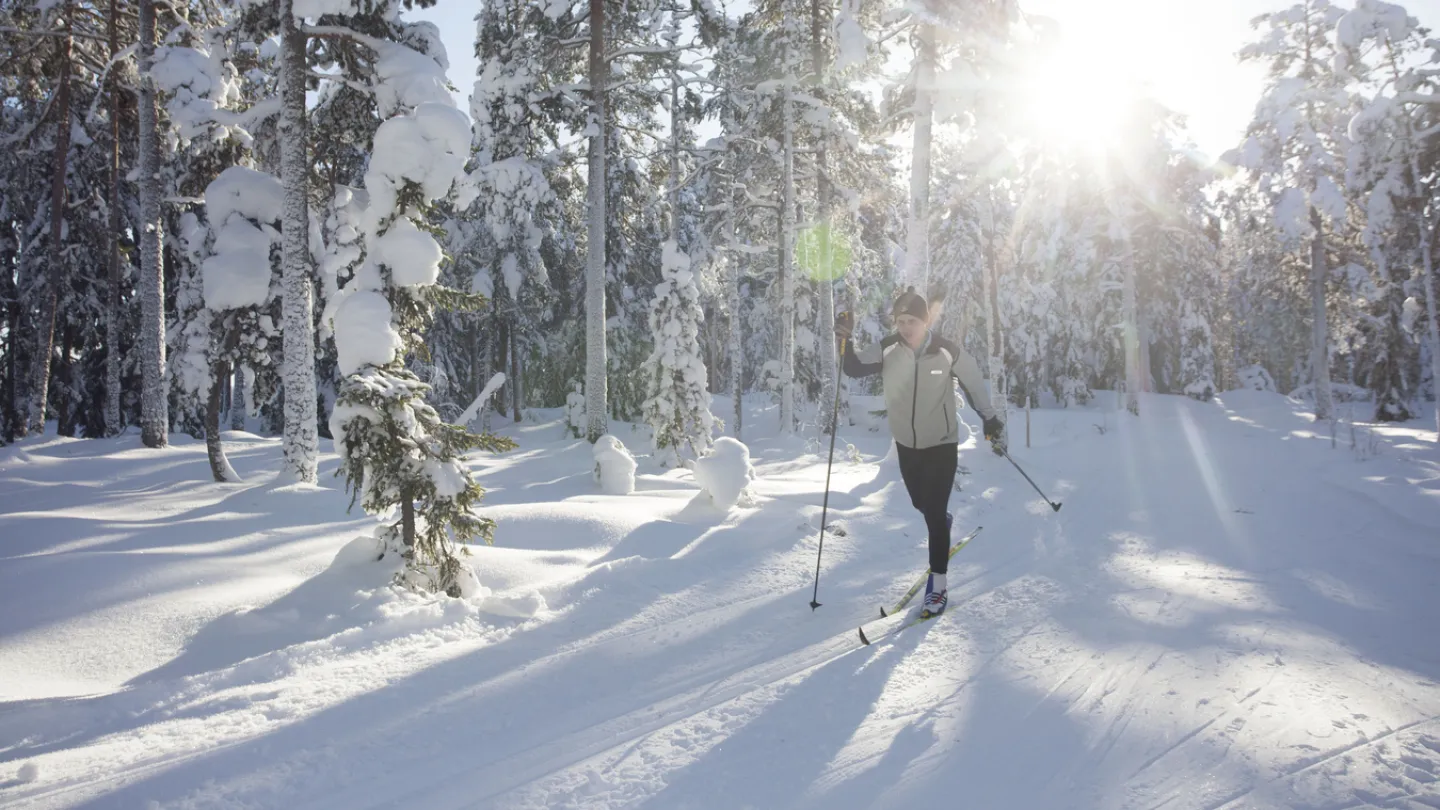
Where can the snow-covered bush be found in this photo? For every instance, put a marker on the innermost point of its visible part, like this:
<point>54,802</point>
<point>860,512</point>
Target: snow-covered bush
<point>1256,378</point>
<point>725,473</point>
<point>614,466</point>
<point>575,412</point>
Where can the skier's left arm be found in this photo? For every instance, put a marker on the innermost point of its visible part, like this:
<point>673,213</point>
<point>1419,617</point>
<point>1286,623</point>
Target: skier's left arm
<point>972,384</point>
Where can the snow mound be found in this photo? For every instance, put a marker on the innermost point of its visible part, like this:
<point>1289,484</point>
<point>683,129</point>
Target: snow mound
<point>614,466</point>
<point>725,473</point>
<point>28,773</point>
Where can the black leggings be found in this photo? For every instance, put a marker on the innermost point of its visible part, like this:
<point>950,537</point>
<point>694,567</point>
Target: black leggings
<point>929,474</point>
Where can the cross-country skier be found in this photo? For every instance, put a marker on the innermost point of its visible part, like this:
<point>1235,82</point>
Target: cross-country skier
<point>915,367</point>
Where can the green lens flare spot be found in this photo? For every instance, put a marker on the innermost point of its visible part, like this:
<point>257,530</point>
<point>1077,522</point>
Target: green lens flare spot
<point>823,253</point>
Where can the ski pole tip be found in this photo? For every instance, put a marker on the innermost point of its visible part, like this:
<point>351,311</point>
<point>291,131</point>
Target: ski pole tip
<point>814,604</point>
<point>1056,506</point>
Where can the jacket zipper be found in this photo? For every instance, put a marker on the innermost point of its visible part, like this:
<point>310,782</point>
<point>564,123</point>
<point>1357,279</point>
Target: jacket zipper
<point>915,398</point>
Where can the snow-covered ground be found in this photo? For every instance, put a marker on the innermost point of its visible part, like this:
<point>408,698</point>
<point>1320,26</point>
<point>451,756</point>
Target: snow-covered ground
<point>1227,612</point>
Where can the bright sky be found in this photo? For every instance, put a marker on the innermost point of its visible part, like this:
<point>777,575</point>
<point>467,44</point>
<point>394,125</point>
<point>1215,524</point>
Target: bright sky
<point>1185,49</point>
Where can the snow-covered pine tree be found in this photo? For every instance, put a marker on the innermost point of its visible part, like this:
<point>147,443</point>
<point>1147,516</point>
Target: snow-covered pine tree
<point>1295,151</point>
<point>397,454</point>
<point>1391,165</point>
<point>678,409</point>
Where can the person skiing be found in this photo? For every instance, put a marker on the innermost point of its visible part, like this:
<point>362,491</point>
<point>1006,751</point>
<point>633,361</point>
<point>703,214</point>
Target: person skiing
<point>915,367</point>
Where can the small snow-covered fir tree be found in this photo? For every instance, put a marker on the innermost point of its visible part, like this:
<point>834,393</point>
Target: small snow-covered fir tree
<point>397,454</point>
<point>678,409</point>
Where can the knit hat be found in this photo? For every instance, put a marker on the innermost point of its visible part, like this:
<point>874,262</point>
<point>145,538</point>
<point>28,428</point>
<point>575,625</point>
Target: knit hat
<point>911,303</point>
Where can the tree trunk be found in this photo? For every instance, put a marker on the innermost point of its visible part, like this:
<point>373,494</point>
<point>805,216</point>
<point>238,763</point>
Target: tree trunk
<point>502,362</point>
<point>55,264</point>
<point>996,340</point>
<point>10,413</point>
<point>239,394</point>
<point>154,407</point>
<point>1132,338</point>
<point>407,524</point>
<point>220,370</point>
<point>1430,309</point>
<point>737,331</point>
<point>1319,325</point>
<point>302,440</point>
<point>787,250</point>
<point>64,390</point>
<point>113,425</point>
<point>829,362</point>
<point>917,234</point>
<point>514,376</point>
<point>596,405</point>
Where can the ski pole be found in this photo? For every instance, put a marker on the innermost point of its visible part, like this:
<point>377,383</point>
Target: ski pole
<point>1053,505</point>
<point>825,507</point>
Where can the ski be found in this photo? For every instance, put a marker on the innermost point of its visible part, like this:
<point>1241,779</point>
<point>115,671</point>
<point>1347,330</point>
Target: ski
<point>910,594</point>
<point>920,583</point>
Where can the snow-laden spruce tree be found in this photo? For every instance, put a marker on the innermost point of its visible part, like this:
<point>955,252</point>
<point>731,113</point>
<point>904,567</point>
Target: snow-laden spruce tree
<point>1393,165</point>
<point>234,319</point>
<point>678,409</point>
<point>1295,150</point>
<point>397,454</point>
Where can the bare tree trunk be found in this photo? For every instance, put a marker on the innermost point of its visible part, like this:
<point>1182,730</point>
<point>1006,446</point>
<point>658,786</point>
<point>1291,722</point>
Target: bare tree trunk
<point>239,393</point>
<point>1319,325</point>
<point>917,234</point>
<point>154,406</point>
<point>1430,309</point>
<point>514,375</point>
<point>407,524</point>
<point>302,439</point>
<point>10,414</point>
<point>1132,337</point>
<point>113,425</point>
<point>64,391</point>
<point>992,300</point>
<point>215,450</point>
<point>787,251</point>
<point>829,361</point>
<point>55,264</point>
<point>737,332</point>
<point>596,406</point>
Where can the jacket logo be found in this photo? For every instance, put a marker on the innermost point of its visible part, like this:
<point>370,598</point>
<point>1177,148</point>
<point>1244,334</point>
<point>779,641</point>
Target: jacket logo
<point>937,371</point>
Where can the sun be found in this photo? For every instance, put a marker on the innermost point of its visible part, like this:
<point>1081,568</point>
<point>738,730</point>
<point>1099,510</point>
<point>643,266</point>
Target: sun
<point>1074,94</point>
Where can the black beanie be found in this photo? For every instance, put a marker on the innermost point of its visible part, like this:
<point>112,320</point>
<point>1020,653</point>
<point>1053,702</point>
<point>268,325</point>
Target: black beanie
<point>911,303</point>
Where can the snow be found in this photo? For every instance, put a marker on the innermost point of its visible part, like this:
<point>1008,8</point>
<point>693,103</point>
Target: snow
<point>1372,19</point>
<point>364,335</point>
<point>28,773</point>
<point>1292,214</point>
<point>614,466</point>
<point>725,472</point>
<point>427,146</point>
<point>246,192</point>
<point>315,9</point>
<point>851,43</point>
<point>1227,611</point>
<point>408,78</point>
<point>412,255</point>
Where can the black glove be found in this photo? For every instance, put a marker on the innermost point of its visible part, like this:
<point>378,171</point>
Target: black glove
<point>995,433</point>
<point>844,325</point>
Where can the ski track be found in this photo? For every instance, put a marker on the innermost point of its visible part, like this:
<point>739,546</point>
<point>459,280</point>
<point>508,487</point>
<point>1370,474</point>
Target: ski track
<point>1129,663</point>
